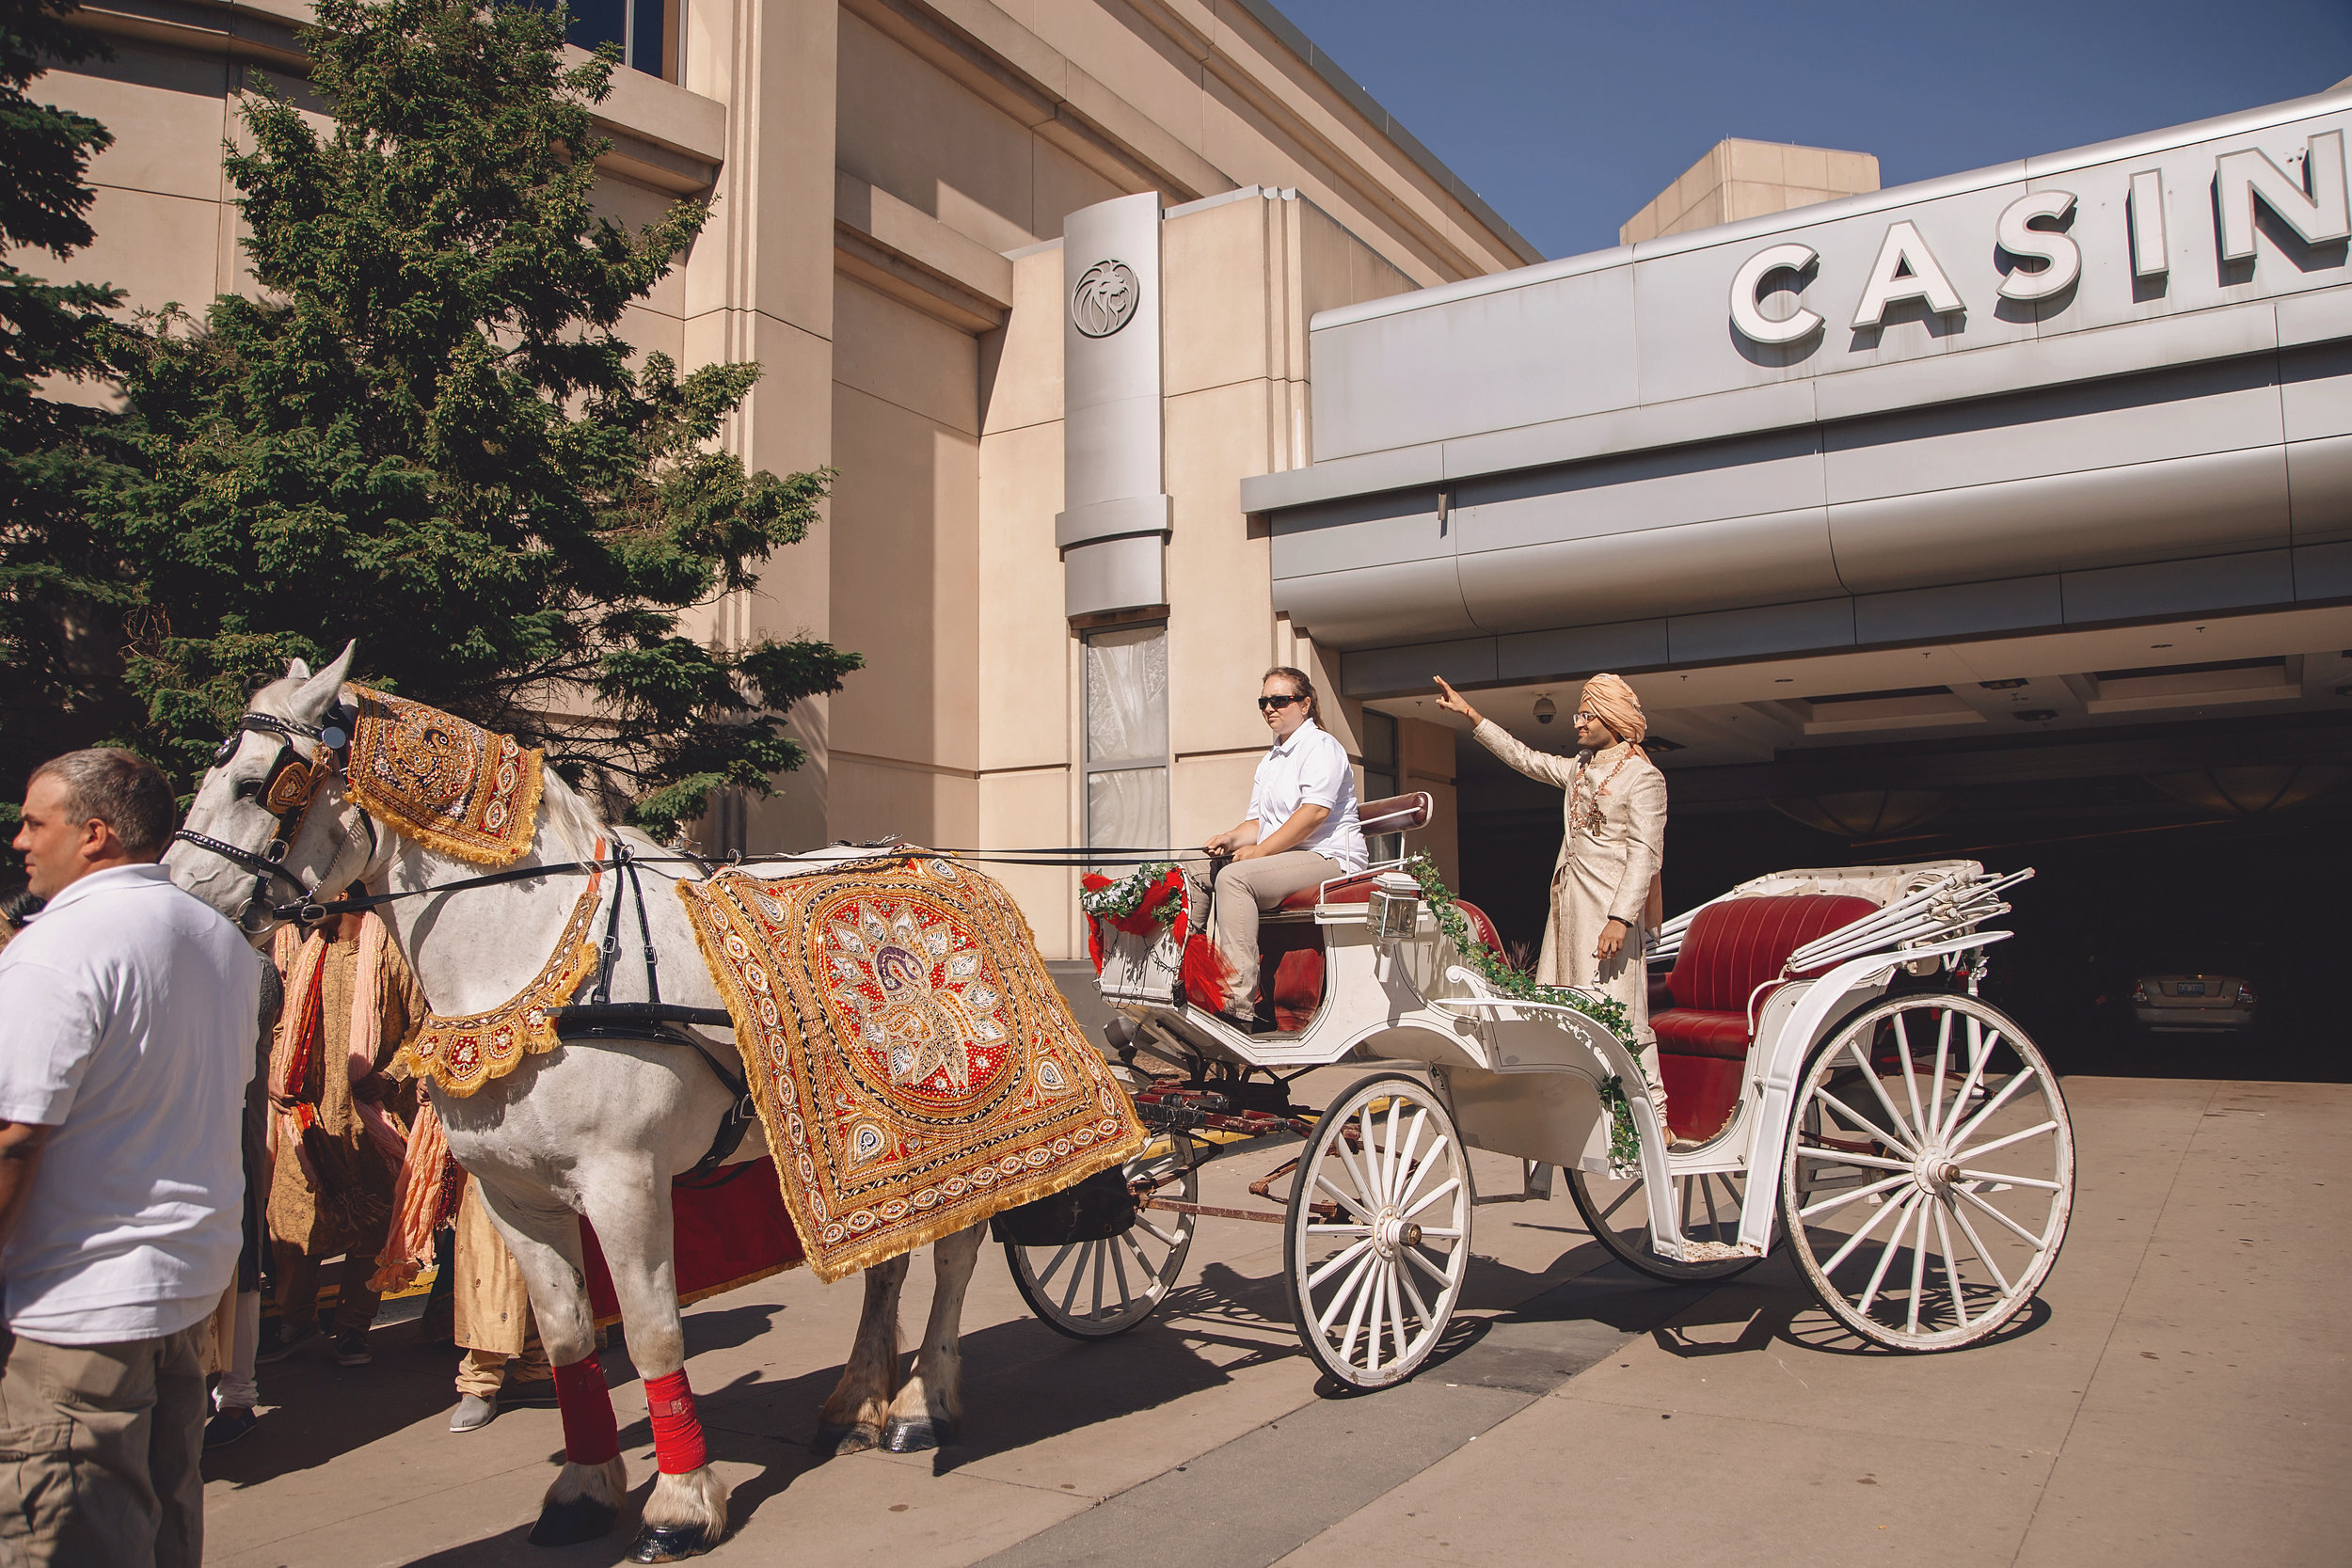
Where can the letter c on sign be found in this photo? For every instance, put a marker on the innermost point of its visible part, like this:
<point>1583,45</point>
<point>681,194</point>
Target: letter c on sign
<point>1748,315</point>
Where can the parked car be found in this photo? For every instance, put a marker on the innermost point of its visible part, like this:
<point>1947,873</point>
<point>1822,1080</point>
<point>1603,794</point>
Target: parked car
<point>2192,1000</point>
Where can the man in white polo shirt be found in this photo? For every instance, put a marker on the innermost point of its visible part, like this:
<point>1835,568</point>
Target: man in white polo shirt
<point>127,1015</point>
<point>1302,828</point>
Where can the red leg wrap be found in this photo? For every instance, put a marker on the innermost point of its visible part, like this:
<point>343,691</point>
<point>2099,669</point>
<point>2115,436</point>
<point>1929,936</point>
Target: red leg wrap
<point>677,1436</point>
<point>591,1437</point>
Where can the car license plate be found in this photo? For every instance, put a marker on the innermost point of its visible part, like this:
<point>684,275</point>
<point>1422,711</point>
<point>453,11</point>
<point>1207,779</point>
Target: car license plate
<point>2189,988</point>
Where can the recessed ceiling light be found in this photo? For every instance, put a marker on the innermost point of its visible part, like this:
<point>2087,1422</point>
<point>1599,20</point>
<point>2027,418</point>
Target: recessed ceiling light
<point>1785,680</point>
<point>2155,646</point>
<point>2034,714</point>
<point>2003,686</point>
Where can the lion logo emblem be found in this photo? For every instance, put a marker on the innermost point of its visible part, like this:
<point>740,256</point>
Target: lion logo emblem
<point>1104,299</point>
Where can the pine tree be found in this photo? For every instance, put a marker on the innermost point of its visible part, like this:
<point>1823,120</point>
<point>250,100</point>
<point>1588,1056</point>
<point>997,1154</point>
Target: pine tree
<point>62,593</point>
<point>427,434</point>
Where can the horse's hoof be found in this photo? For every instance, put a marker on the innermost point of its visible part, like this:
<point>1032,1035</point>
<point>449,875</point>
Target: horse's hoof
<point>670,1543</point>
<point>912,1437</point>
<point>832,1441</point>
<point>570,1524</point>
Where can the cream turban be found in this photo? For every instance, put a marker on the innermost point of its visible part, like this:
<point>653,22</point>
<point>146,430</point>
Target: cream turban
<point>1610,700</point>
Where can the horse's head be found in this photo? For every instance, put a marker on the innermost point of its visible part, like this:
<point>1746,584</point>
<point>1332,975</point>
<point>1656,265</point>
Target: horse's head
<point>271,826</point>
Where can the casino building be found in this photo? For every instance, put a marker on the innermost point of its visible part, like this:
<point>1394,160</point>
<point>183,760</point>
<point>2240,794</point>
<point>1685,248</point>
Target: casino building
<point>2007,513</point>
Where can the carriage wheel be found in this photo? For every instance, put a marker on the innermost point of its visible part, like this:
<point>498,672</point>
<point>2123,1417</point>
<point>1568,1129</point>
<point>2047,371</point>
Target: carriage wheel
<point>1930,1173</point>
<point>1377,1237</point>
<point>1709,1205</point>
<point>1094,1290</point>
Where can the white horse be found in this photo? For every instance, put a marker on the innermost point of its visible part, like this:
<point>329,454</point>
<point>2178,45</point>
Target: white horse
<point>595,1128</point>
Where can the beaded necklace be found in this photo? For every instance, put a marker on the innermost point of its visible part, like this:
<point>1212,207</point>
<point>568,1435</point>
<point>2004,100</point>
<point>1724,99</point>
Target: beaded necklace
<point>1584,810</point>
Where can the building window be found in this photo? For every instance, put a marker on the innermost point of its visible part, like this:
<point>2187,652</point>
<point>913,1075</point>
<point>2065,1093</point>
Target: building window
<point>1126,740</point>
<point>640,27</point>
<point>1382,777</point>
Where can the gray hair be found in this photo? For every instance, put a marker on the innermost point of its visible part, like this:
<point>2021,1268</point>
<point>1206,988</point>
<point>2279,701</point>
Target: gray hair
<point>122,789</point>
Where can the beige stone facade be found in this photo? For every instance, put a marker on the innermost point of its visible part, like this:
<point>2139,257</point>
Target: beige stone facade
<point>1738,179</point>
<point>889,180</point>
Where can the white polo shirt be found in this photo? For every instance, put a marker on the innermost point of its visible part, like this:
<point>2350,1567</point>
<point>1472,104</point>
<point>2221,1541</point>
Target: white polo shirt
<point>127,1018</point>
<point>1310,769</point>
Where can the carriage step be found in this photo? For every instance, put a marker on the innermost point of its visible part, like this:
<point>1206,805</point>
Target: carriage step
<point>1709,1252</point>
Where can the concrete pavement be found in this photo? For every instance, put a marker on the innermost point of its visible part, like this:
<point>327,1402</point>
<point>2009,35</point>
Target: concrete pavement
<point>2178,1397</point>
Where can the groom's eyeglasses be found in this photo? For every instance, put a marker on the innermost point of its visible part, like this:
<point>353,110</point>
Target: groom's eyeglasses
<point>1267,704</point>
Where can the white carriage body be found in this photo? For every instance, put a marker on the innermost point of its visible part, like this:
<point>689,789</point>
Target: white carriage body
<point>1525,1079</point>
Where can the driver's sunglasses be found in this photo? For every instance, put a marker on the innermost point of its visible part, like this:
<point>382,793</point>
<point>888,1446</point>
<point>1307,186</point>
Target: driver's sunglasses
<point>1267,704</point>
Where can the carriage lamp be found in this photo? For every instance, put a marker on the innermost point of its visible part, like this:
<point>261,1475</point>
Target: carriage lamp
<point>1395,906</point>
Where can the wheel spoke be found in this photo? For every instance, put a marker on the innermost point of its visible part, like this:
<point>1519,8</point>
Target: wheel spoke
<point>1631,1188</point>
<point>1144,1220</point>
<point>1337,1261</point>
<point>1919,1268</point>
<point>1153,1286</point>
<point>1982,1256</point>
<point>1320,1230</point>
<point>1118,1267</point>
<point>1885,1210</point>
<point>1356,1313</point>
<point>1396,1317</point>
<point>1911,1079</point>
<point>1378,1292</point>
<point>1404,1277</point>
<point>1391,1169</point>
<point>1706,1195</point>
<point>2013,1180</point>
<point>1822,1091</point>
<point>1841,1199</point>
<point>1351,1204</point>
<point>1451,1183</point>
<point>1411,1164</point>
<point>1060,1258</point>
<point>1887,1256</point>
<point>2003,1143</point>
<point>1438,1146</point>
<point>1951,1266</point>
<point>2037,1242</point>
<point>1443,1281</point>
<point>1942,1055</point>
<point>1095,1251</point>
<point>1980,1053</point>
<point>1347,1292</point>
<point>1960,1139</point>
<point>1870,1075</point>
<point>1840,1157</point>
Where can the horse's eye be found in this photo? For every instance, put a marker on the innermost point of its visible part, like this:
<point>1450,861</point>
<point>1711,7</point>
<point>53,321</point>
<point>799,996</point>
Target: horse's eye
<point>249,789</point>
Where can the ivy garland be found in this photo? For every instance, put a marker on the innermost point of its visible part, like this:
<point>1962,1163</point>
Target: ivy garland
<point>1624,1144</point>
<point>1137,890</point>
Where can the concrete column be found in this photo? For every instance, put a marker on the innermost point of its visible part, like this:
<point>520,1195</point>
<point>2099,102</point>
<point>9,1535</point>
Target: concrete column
<point>759,286</point>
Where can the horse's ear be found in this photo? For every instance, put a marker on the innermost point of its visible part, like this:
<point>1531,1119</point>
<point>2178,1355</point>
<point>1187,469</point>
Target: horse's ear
<point>319,692</point>
<point>297,668</point>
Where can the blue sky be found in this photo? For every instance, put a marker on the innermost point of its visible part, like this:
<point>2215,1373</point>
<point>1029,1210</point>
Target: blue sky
<point>1568,116</point>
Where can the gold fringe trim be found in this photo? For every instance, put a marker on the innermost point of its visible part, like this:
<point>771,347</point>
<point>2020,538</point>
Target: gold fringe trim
<point>409,741</point>
<point>882,1249</point>
<point>462,1054</point>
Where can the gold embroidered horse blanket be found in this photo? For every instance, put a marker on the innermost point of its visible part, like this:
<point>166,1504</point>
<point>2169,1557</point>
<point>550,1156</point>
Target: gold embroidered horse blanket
<point>913,1065</point>
<point>449,783</point>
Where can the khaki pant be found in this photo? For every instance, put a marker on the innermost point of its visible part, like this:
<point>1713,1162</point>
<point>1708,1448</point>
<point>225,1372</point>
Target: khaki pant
<point>100,1451</point>
<point>1243,889</point>
<point>484,1373</point>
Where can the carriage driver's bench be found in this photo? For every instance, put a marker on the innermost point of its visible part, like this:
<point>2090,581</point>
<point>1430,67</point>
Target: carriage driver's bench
<point>1290,943</point>
<point>1733,957</point>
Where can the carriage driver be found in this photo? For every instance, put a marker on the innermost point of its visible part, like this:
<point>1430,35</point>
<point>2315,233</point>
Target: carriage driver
<point>1603,886</point>
<point>1302,828</point>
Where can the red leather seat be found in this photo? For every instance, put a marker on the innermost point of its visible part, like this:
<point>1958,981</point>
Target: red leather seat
<point>1731,949</point>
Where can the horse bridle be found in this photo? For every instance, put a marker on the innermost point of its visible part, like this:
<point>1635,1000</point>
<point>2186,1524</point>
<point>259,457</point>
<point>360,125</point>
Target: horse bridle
<point>288,789</point>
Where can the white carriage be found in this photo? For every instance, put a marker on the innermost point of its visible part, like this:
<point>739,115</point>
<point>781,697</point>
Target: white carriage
<point>1832,1079</point>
